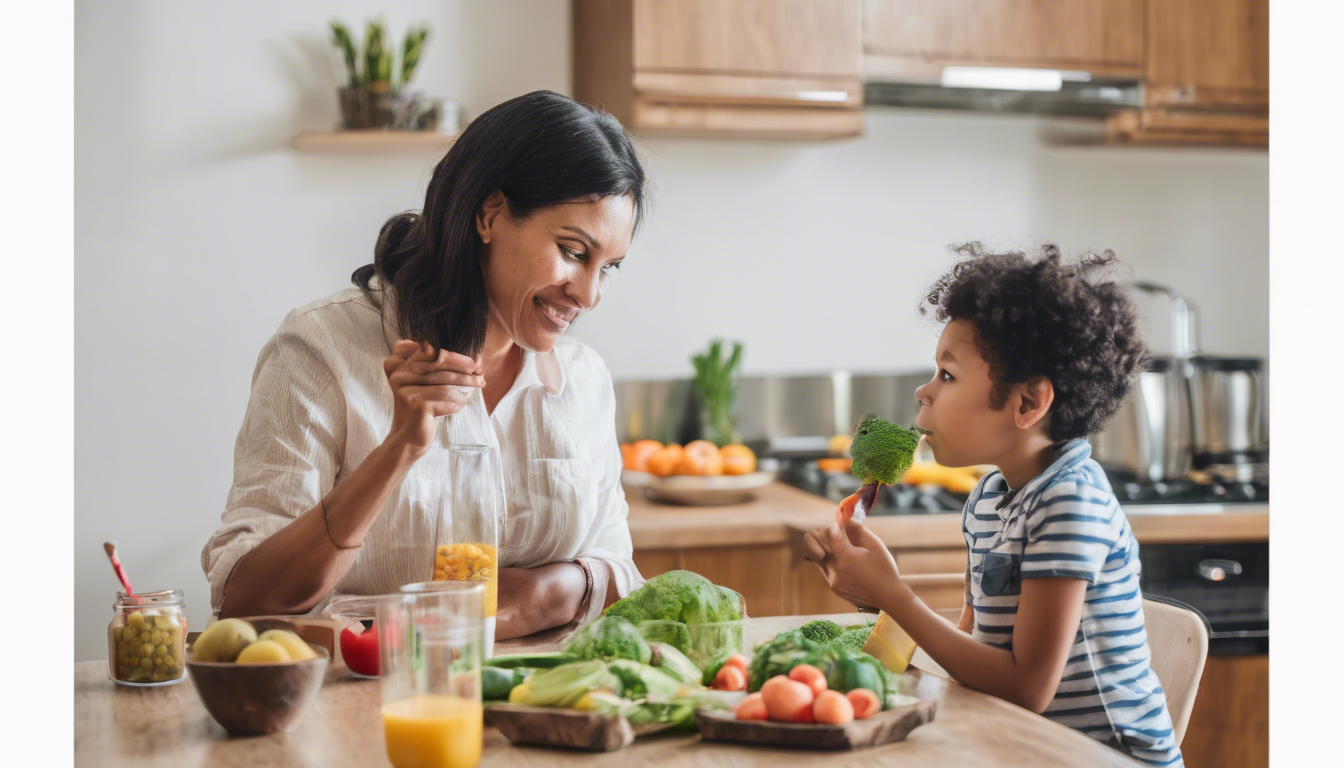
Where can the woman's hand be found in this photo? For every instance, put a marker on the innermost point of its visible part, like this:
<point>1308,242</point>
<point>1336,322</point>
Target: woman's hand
<point>857,564</point>
<point>426,385</point>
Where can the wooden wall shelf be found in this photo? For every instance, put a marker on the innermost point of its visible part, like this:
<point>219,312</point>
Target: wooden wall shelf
<point>372,141</point>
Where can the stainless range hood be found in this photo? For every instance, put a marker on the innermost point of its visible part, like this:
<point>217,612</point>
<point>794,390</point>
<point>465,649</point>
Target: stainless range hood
<point>1002,89</point>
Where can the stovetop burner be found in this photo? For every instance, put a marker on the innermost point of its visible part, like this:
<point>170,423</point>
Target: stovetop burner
<point>1129,491</point>
<point>891,500</point>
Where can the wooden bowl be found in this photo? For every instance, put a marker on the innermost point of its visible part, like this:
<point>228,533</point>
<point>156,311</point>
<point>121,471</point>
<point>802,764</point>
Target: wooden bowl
<point>256,699</point>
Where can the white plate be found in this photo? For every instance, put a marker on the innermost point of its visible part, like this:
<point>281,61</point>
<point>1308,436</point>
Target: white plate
<point>698,490</point>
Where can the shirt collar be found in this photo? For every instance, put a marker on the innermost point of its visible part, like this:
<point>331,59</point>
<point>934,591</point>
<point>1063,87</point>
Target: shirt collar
<point>1071,454</point>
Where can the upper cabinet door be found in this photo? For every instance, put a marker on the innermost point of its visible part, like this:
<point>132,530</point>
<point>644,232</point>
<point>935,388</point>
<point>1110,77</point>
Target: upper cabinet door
<point>1208,53</point>
<point>790,38</point>
<point>918,37</point>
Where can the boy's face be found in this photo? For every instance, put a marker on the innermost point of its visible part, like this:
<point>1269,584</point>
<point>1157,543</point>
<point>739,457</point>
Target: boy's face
<point>964,429</point>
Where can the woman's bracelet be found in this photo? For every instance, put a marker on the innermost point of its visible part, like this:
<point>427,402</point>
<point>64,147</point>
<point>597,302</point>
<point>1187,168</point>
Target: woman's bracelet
<point>321,502</point>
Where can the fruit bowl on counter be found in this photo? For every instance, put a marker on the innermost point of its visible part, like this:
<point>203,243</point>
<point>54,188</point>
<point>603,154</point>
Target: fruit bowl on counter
<point>700,474</point>
<point>255,683</point>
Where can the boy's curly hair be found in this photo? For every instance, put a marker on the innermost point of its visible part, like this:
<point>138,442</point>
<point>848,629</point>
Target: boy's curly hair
<point>1043,317</point>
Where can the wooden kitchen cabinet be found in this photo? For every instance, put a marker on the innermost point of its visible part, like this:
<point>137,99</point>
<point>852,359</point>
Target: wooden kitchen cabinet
<point>917,38</point>
<point>1208,54</point>
<point>752,68</point>
<point>1229,726</point>
<point>1206,75</point>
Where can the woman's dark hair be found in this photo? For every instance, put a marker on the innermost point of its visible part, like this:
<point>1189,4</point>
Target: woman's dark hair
<point>1044,317</point>
<point>540,149</point>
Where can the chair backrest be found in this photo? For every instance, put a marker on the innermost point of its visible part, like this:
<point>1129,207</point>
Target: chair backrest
<point>1178,637</point>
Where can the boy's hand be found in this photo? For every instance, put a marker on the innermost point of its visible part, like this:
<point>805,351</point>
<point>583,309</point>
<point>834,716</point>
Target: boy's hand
<point>857,564</point>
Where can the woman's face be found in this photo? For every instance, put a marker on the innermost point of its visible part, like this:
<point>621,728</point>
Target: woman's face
<point>544,271</point>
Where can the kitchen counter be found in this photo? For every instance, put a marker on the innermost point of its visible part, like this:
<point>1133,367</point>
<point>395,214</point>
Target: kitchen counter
<point>781,511</point>
<point>147,727</point>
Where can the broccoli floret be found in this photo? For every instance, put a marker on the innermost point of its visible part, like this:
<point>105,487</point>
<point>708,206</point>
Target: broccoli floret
<point>821,631</point>
<point>853,639</point>
<point>679,596</point>
<point>609,637</point>
<point>882,451</point>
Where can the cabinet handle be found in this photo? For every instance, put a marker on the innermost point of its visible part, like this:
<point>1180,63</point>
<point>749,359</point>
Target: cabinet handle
<point>1218,570</point>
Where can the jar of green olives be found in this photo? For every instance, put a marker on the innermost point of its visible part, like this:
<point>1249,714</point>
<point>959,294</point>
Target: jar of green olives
<point>146,638</point>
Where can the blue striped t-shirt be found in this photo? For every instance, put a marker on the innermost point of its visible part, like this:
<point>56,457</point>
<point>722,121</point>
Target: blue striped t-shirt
<point>1066,523</point>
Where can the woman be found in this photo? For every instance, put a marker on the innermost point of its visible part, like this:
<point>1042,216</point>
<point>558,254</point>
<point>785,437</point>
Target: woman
<point>341,465</point>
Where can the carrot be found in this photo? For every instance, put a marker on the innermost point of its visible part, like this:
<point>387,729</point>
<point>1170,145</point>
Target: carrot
<point>729,678</point>
<point>864,702</point>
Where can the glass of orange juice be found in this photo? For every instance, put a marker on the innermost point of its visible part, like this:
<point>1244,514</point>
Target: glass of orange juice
<point>467,543</point>
<point>430,654</point>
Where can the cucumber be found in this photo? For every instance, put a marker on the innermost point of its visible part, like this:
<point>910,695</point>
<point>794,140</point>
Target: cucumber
<point>497,683</point>
<point>530,661</point>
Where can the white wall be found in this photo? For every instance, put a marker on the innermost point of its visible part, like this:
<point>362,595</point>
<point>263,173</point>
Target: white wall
<point>197,229</point>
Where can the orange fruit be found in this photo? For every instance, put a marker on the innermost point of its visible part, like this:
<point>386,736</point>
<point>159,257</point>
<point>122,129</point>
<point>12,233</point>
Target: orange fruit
<point>737,459</point>
<point>638,458</point>
<point>664,462</point>
<point>625,453</point>
<point>702,458</point>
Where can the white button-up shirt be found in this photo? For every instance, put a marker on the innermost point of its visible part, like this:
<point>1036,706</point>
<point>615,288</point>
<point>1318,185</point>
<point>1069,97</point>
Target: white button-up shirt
<point>321,403</point>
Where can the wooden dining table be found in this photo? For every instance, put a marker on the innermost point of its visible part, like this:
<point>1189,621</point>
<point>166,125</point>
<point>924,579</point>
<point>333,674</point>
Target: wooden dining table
<point>149,727</point>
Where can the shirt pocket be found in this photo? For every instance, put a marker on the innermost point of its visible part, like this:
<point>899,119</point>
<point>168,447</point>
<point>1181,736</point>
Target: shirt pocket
<point>1001,574</point>
<point>563,506</point>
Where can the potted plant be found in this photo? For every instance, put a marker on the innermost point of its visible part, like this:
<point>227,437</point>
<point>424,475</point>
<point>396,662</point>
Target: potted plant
<point>714,392</point>
<point>376,94</point>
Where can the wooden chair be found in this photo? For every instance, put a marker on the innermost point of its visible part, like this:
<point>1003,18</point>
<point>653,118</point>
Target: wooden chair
<point>1178,637</point>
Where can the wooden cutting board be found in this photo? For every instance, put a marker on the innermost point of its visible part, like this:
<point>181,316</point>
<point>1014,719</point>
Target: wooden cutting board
<point>551,727</point>
<point>883,728</point>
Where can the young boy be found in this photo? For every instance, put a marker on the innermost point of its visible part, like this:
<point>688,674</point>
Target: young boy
<point>1035,355</point>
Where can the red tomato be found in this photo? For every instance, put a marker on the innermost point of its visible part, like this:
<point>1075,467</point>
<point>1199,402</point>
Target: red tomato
<point>752,708</point>
<point>832,708</point>
<point>787,700</point>
<point>360,650</point>
<point>810,676</point>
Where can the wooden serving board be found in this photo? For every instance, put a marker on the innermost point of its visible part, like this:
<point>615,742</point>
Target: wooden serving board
<point>882,728</point>
<point>576,729</point>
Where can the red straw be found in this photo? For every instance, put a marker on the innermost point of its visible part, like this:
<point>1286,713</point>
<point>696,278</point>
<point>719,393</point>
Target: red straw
<point>111,548</point>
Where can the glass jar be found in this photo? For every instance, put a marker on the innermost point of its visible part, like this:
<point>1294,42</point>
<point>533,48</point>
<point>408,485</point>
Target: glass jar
<point>146,639</point>
<point>431,647</point>
<point>467,544</point>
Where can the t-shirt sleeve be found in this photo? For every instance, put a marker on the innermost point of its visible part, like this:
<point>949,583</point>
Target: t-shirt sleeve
<point>1070,531</point>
